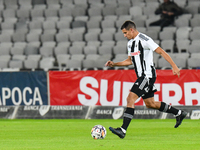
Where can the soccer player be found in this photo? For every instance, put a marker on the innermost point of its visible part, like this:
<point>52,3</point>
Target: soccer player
<point>140,53</point>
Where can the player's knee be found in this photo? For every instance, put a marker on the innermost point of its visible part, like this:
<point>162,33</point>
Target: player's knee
<point>150,105</point>
<point>129,100</point>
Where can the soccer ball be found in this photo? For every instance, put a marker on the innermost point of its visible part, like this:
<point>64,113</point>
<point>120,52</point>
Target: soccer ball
<point>98,132</point>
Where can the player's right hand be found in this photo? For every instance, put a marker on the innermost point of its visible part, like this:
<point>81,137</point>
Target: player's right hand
<point>109,63</point>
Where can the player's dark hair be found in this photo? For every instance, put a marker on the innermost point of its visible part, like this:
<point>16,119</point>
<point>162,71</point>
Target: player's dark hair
<point>128,24</point>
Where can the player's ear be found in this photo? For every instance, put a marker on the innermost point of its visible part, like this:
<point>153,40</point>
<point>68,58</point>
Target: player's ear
<point>131,29</point>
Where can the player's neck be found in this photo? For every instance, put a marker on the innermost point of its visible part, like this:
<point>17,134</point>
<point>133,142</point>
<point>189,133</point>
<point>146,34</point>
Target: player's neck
<point>135,34</point>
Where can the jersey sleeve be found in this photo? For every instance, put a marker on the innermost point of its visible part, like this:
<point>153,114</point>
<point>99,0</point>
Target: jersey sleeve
<point>152,45</point>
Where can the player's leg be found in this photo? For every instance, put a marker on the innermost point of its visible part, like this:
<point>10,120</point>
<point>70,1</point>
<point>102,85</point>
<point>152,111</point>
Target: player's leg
<point>136,91</point>
<point>128,115</point>
<point>163,107</point>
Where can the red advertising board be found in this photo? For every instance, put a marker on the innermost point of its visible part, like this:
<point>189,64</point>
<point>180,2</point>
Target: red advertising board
<point>111,87</point>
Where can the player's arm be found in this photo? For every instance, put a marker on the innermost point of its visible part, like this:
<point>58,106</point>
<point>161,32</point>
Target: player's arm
<point>175,69</point>
<point>126,62</point>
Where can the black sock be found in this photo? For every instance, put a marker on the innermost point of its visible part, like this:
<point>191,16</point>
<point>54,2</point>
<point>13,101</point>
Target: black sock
<point>168,108</point>
<point>128,115</point>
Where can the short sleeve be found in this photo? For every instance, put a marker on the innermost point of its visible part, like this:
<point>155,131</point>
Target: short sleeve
<point>152,45</point>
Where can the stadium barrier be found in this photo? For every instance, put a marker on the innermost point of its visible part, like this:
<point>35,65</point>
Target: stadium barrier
<point>88,112</point>
<point>111,87</point>
<point>92,94</point>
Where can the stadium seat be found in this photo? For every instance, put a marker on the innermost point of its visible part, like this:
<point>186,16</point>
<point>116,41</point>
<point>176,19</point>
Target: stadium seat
<point>94,43</point>
<point>118,36</point>
<point>90,50</point>
<point>142,29</point>
<point>19,37</point>
<point>183,45</point>
<point>77,34</point>
<point>192,9</point>
<point>181,3</point>
<point>3,63</point>
<point>46,63</point>
<point>181,22</point>
<point>61,37</point>
<point>170,29</point>
<point>78,56</point>
<point>76,49</point>
<point>195,21</point>
<point>31,63</point>
<point>195,55</point>
<point>51,14</point>
<point>62,59</point>
<point>194,47</point>
<point>81,18</point>
<point>120,57</point>
<point>23,13</point>
<point>5,37</point>
<point>81,3</point>
<point>61,50</point>
<point>37,14</point>
<point>17,51</point>
<point>47,36</point>
<point>7,25</point>
<point>109,3</point>
<point>108,10</point>
<point>152,33</point>
<point>67,3</point>
<point>33,37</point>
<point>182,33</point>
<point>62,24</point>
<point>35,25</point>
<point>78,11</point>
<point>166,35</point>
<point>122,10</point>
<point>105,49</point>
<point>194,35</point>
<point>35,57</point>
<point>16,64</point>
<point>88,63</point>
<point>25,4</point>
<point>46,51</point>
<point>135,11</point>
<point>93,23</point>
<point>52,2</point>
<point>119,49</point>
<point>121,20</point>
<point>163,64</point>
<point>150,8</point>
<point>138,3</point>
<point>151,19</point>
<point>78,24</point>
<point>193,62</point>
<point>75,63</point>
<point>79,43</point>
<point>168,45</point>
<point>105,36</point>
<point>11,4</point>
<point>124,3</point>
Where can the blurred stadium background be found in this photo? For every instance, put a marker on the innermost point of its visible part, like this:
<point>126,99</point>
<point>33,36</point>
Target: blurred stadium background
<point>82,34</point>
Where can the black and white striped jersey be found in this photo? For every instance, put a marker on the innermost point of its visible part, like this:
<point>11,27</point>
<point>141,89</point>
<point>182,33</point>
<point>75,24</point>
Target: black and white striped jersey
<point>141,51</point>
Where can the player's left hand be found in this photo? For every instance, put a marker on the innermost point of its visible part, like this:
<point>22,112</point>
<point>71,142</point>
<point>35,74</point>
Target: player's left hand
<point>176,71</point>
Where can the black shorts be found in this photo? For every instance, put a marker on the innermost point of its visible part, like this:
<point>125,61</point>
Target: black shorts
<point>144,87</point>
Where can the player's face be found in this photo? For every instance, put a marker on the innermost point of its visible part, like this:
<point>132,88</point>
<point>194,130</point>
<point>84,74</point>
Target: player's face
<point>128,33</point>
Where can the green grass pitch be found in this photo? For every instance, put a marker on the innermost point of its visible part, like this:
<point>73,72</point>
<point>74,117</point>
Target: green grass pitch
<point>74,134</point>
